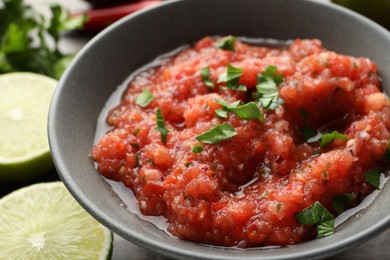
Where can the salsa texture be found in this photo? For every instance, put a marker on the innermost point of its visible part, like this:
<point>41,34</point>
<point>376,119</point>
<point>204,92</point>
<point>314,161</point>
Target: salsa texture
<point>314,123</point>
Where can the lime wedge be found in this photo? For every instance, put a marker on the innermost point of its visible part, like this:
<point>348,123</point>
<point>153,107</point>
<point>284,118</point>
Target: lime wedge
<point>43,221</point>
<point>24,106</point>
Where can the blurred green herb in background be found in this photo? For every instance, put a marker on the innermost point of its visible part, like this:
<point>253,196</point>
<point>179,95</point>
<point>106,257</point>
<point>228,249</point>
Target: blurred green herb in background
<point>377,10</point>
<point>29,41</point>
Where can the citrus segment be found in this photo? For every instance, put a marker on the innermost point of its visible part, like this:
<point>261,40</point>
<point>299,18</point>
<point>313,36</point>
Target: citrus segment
<point>43,221</point>
<point>24,105</point>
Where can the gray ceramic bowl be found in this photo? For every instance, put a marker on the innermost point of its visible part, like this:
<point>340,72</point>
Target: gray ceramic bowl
<point>127,45</point>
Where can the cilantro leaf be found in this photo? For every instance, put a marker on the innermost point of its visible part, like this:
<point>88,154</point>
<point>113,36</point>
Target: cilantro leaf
<point>373,178</point>
<point>222,112</point>
<point>325,228</point>
<point>231,77</point>
<point>315,214</point>
<point>247,111</point>
<point>205,73</point>
<point>226,43</point>
<point>144,99</point>
<point>342,202</point>
<point>308,133</point>
<point>265,193</point>
<point>329,137</point>
<point>270,71</point>
<point>318,215</point>
<point>197,149</point>
<point>228,105</point>
<point>29,42</point>
<point>161,126</point>
<point>217,134</point>
<point>387,152</point>
<point>267,88</point>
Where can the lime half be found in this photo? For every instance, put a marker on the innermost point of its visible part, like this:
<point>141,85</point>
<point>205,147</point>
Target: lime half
<point>43,221</point>
<point>24,106</point>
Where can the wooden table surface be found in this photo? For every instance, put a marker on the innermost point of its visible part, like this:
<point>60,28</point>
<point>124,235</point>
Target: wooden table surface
<point>376,248</point>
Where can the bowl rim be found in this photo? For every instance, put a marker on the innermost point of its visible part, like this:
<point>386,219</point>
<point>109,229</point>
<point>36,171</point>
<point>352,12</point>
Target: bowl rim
<point>158,246</point>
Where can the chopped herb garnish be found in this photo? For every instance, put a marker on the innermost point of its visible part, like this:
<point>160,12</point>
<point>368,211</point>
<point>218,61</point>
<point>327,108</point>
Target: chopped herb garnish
<point>231,77</point>
<point>304,114</point>
<point>318,215</point>
<point>342,202</point>
<point>270,71</point>
<point>387,152</point>
<point>205,73</point>
<point>136,164</point>
<point>197,149</point>
<point>308,133</point>
<point>187,164</point>
<point>267,88</point>
<point>222,112</point>
<point>373,178</point>
<point>149,161</point>
<point>329,137</point>
<point>226,43</point>
<point>216,134</point>
<point>144,98</point>
<point>265,193</point>
<point>325,228</point>
<point>30,42</point>
<point>228,105</point>
<point>247,111</point>
<point>278,207</point>
<point>314,214</point>
<point>136,131</point>
<point>135,146</point>
<point>325,174</point>
<point>161,126</point>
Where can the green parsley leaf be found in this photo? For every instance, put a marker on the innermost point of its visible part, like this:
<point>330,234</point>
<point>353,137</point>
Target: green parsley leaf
<point>205,73</point>
<point>315,214</point>
<point>387,152</point>
<point>267,88</point>
<point>145,98</point>
<point>161,126</point>
<point>270,71</point>
<point>135,146</point>
<point>329,137</point>
<point>305,115</point>
<point>222,112</point>
<point>136,131</point>
<point>342,202</point>
<point>61,22</point>
<point>137,160</point>
<point>231,77</point>
<point>308,133</point>
<point>228,105</point>
<point>278,207</point>
<point>217,134</point>
<point>226,43</point>
<point>29,42</point>
<point>265,193</point>
<point>373,178</point>
<point>197,149</point>
<point>247,111</point>
<point>325,228</point>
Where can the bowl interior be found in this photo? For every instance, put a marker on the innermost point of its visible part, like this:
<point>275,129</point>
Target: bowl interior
<point>114,54</point>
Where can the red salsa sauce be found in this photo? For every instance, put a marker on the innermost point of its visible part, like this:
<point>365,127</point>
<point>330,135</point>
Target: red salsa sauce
<point>248,188</point>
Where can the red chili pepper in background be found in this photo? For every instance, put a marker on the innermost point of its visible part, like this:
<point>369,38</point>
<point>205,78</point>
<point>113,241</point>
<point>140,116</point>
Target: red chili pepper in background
<point>98,19</point>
